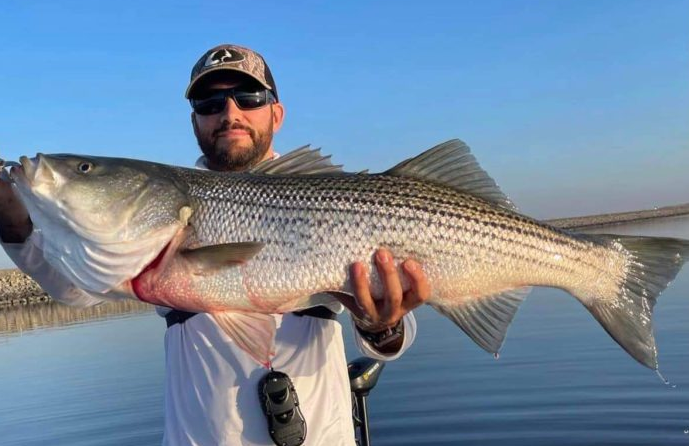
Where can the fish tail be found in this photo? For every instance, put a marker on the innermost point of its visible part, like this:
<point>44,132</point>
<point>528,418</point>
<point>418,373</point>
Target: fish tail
<point>651,264</point>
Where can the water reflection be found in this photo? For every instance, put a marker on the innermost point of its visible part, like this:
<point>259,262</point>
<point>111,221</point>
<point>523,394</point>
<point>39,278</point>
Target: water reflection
<point>21,318</point>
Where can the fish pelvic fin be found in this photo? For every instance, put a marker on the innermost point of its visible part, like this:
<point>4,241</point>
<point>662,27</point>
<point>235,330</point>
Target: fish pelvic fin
<point>254,333</point>
<point>653,262</point>
<point>485,319</point>
<point>452,164</point>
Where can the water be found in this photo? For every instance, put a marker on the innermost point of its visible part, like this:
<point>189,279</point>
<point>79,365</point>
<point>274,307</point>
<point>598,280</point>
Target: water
<point>559,379</point>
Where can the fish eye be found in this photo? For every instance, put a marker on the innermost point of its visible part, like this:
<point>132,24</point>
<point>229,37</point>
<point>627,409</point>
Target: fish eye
<point>85,167</point>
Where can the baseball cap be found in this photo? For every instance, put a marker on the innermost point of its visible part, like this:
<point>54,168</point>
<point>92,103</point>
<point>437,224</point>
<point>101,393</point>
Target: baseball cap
<point>232,58</point>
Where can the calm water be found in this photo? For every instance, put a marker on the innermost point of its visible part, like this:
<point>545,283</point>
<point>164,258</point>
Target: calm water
<point>560,380</point>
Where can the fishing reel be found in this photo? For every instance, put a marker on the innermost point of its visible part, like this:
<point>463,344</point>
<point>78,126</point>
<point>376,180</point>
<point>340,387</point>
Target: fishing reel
<point>279,402</point>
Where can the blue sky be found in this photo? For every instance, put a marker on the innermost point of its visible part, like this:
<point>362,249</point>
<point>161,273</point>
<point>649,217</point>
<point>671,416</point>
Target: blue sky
<point>574,107</point>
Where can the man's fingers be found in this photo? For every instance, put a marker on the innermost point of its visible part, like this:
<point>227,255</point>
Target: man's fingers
<point>4,170</point>
<point>4,175</point>
<point>393,293</point>
<point>362,292</point>
<point>420,290</point>
<point>395,303</point>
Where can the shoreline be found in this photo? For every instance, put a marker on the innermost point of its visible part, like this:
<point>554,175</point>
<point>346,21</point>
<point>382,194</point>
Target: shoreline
<point>16,288</point>
<point>620,218</point>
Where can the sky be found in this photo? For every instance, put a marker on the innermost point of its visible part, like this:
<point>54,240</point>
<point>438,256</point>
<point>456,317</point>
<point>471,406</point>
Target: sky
<point>573,107</point>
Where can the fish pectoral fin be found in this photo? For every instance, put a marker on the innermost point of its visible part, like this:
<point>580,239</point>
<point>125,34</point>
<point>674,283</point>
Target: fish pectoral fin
<point>347,299</point>
<point>452,164</point>
<point>219,256</point>
<point>486,319</point>
<point>252,332</point>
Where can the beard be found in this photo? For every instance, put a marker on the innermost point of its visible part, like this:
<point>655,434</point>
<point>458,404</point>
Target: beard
<point>232,155</point>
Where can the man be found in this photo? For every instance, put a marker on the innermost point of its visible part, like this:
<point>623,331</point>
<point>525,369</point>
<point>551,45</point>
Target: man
<point>211,384</point>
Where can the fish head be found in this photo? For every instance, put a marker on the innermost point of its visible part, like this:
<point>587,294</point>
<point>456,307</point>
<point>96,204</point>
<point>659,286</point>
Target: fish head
<point>101,220</point>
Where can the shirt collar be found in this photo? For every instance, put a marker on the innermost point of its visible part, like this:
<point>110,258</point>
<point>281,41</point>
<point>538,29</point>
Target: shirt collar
<point>202,162</point>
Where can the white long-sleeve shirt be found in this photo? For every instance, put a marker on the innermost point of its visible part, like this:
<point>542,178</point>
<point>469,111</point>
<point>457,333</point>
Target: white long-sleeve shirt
<point>211,386</point>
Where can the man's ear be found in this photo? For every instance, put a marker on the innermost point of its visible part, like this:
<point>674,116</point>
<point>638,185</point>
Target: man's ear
<point>194,125</point>
<point>278,116</point>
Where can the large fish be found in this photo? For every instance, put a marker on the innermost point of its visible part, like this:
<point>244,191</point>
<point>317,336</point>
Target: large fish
<point>243,245</point>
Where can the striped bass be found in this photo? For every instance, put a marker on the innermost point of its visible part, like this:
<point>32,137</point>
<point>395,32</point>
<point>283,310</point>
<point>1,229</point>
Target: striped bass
<point>241,246</point>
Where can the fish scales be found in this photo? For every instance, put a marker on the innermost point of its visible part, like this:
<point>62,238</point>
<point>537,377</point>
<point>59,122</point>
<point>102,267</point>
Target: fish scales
<point>315,226</point>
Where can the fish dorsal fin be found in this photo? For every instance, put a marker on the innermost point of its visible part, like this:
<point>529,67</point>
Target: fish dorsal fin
<point>302,161</point>
<point>452,164</point>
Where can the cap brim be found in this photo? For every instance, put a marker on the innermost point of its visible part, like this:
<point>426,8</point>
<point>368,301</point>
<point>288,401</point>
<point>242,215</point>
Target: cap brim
<point>196,80</point>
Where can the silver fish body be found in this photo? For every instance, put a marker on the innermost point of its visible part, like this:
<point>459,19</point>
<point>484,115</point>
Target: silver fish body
<point>270,240</point>
<point>313,227</point>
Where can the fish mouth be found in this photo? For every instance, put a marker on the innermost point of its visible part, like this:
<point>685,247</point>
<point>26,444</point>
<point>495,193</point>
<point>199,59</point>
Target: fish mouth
<point>24,172</point>
<point>32,171</point>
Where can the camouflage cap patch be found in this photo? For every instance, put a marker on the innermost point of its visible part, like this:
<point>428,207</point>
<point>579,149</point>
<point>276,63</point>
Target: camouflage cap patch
<point>234,58</point>
<point>222,56</point>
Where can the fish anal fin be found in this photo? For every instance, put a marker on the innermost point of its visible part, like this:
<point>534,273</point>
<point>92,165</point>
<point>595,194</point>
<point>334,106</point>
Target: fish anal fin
<point>212,257</point>
<point>485,319</point>
<point>452,164</point>
<point>252,332</point>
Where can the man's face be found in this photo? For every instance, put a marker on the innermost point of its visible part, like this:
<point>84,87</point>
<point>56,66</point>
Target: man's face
<point>236,139</point>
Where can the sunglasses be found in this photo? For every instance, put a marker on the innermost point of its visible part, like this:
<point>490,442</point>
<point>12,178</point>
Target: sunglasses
<point>245,100</point>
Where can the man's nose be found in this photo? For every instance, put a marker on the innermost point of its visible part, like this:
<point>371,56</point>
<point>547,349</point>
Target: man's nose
<point>231,112</point>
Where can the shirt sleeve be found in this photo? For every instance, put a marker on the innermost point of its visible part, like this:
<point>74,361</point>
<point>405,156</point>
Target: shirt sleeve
<point>29,259</point>
<point>409,335</point>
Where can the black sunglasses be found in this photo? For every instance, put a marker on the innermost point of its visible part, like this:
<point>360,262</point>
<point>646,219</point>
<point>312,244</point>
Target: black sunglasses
<point>245,100</point>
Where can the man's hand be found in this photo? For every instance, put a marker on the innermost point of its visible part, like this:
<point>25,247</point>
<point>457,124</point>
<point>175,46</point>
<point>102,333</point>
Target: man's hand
<point>15,224</point>
<point>380,314</point>
<point>377,315</point>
